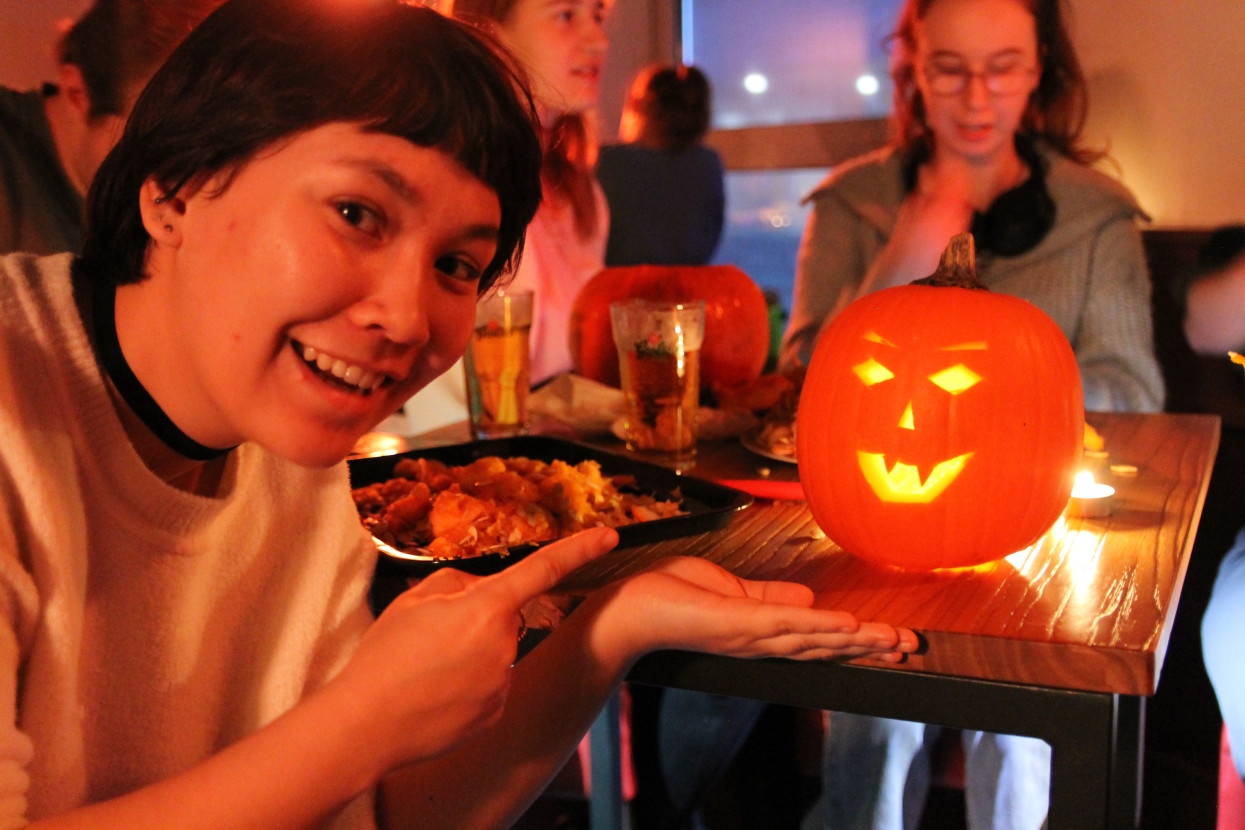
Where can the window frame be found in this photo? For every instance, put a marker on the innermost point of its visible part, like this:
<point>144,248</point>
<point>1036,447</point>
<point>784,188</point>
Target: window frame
<point>793,146</point>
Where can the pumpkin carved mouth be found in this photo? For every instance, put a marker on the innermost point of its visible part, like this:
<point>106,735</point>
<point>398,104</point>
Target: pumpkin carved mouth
<point>902,483</point>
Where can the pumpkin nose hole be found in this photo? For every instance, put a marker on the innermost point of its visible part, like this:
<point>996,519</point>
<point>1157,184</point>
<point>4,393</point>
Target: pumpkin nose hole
<point>905,421</point>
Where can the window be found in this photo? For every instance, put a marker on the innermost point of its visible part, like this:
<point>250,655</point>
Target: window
<point>794,92</point>
<point>817,60</point>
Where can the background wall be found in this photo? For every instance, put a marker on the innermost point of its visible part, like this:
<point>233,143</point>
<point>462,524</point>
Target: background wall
<point>1167,94</point>
<point>28,33</point>
<point>1167,88</point>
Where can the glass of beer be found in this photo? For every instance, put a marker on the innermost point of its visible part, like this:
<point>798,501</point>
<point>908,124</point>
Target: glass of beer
<point>659,362</point>
<point>498,365</point>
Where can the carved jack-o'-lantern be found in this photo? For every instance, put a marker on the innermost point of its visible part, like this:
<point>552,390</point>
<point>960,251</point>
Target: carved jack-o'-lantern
<point>939,425</point>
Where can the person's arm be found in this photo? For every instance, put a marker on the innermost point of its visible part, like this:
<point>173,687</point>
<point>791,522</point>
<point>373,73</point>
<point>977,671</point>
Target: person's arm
<point>830,264</point>
<point>18,617</point>
<point>561,685</point>
<point>834,267</point>
<point>435,667</point>
<point>938,208</point>
<point>1115,345</point>
<point>1214,320</point>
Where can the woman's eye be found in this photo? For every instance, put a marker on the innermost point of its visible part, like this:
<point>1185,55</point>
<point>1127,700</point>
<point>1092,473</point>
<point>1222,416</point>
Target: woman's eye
<point>956,69</point>
<point>360,216</point>
<point>459,269</point>
<point>1004,67</point>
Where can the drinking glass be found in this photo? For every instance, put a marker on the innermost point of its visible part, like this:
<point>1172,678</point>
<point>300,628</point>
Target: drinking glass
<point>498,365</point>
<point>659,362</point>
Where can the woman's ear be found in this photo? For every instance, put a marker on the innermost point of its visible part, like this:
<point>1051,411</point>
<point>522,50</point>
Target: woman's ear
<point>73,87</point>
<point>162,214</point>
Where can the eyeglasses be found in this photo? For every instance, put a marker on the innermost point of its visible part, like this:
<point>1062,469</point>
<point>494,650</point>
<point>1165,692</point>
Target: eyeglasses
<point>999,80</point>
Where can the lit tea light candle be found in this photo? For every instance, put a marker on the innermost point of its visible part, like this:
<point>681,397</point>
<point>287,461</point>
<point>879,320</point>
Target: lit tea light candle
<point>1090,499</point>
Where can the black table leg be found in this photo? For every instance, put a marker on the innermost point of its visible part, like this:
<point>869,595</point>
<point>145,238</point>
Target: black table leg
<point>1095,737</point>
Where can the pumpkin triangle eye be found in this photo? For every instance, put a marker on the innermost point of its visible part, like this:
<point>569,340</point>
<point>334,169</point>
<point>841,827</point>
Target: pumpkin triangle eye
<point>956,379</point>
<point>871,372</point>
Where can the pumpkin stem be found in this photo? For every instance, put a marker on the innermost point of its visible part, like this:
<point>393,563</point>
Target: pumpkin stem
<point>958,266</point>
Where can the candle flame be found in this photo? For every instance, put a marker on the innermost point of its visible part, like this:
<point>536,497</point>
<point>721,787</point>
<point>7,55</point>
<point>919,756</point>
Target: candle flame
<point>1085,487</point>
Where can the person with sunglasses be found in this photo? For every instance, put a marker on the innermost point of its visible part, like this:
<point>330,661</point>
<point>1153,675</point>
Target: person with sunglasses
<point>989,105</point>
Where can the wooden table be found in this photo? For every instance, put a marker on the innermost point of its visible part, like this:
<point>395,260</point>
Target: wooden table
<point>1061,641</point>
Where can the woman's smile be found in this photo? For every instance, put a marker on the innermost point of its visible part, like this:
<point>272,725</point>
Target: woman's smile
<point>363,381</point>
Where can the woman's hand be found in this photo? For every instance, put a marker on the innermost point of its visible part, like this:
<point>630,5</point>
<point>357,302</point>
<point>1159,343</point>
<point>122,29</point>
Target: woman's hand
<point>938,208</point>
<point>438,662</point>
<point>691,604</point>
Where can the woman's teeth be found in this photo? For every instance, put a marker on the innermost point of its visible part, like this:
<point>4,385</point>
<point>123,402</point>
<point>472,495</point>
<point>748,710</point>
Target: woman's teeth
<point>343,371</point>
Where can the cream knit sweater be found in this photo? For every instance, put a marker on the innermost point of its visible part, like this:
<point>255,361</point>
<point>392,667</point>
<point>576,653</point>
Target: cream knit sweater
<point>145,628</point>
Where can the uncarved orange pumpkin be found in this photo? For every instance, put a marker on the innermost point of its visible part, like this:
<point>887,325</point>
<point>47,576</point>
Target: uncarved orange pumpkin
<point>737,335</point>
<point>939,426</point>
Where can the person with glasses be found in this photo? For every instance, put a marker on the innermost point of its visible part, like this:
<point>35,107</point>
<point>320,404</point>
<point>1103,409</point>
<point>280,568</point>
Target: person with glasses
<point>989,105</point>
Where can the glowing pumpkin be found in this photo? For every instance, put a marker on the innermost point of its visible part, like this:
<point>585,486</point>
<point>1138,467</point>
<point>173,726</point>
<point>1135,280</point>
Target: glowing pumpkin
<point>737,335</point>
<point>939,425</point>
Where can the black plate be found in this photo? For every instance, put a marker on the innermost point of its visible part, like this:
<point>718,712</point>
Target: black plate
<point>709,506</point>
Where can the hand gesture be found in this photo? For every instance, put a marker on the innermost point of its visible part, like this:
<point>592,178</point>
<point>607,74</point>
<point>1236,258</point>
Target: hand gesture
<point>939,207</point>
<point>437,664</point>
<point>692,604</point>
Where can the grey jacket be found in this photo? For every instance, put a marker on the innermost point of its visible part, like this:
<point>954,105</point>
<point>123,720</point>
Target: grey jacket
<point>1089,272</point>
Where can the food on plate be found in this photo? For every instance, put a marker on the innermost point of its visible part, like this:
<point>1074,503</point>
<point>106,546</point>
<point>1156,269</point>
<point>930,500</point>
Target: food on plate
<point>494,504</point>
<point>775,434</point>
<point>759,395</point>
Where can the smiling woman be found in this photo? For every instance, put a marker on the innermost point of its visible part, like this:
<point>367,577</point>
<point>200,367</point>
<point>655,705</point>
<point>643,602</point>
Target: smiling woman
<point>287,240</point>
<point>353,201</point>
<point>367,251</point>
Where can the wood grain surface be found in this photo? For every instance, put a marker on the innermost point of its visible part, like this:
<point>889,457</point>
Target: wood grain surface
<point>1089,606</point>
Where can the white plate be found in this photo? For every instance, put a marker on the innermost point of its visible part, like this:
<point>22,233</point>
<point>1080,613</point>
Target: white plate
<point>751,444</point>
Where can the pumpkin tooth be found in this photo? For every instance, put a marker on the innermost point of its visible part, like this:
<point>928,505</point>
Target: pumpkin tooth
<point>903,483</point>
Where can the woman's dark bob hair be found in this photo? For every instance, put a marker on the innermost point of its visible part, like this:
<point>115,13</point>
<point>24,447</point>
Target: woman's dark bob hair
<point>258,71</point>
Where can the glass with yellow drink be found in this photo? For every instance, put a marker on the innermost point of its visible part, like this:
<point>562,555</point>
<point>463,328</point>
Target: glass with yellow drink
<point>659,363</point>
<point>498,365</point>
